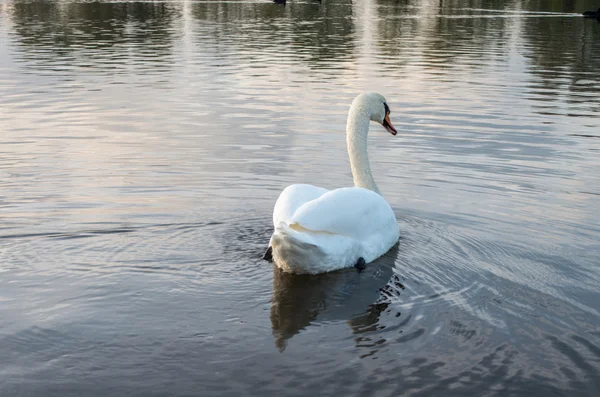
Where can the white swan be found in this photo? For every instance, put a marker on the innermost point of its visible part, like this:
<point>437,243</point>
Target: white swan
<point>319,230</point>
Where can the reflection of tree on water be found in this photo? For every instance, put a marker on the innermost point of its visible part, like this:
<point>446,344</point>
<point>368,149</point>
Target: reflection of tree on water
<point>320,34</point>
<point>446,33</point>
<point>455,33</point>
<point>445,40</point>
<point>72,28</point>
<point>325,32</point>
<point>566,56</point>
<point>346,295</point>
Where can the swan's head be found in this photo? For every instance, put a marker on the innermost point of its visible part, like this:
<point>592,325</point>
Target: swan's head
<point>376,107</point>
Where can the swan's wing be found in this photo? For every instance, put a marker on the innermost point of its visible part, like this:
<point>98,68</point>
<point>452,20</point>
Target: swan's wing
<point>292,198</point>
<point>352,212</point>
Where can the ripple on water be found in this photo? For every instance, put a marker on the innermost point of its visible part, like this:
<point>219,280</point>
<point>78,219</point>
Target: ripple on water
<point>144,143</point>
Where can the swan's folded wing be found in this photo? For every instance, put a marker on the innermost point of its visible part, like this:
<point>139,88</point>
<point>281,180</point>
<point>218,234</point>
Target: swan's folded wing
<point>353,212</point>
<point>292,198</point>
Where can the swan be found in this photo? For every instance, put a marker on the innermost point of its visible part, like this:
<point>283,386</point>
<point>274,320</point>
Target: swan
<point>319,230</point>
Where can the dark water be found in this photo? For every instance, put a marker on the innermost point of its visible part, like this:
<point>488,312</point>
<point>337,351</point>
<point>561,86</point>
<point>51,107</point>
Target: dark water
<point>142,147</point>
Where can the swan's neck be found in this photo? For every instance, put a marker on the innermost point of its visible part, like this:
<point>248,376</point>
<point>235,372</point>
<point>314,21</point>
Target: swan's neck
<point>357,130</point>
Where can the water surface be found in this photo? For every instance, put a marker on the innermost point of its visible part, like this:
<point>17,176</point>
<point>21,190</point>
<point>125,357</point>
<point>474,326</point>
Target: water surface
<point>143,145</point>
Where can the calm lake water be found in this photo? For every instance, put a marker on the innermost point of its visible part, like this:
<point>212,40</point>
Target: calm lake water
<point>143,145</point>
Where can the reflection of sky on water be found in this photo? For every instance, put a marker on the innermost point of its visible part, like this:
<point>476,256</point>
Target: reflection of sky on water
<point>476,98</point>
<point>268,66</point>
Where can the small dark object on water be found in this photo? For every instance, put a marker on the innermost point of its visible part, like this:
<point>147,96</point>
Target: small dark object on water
<point>268,256</point>
<point>592,14</point>
<point>279,2</point>
<point>360,264</point>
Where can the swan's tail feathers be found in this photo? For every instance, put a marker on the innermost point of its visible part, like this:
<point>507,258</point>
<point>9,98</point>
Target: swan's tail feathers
<point>294,249</point>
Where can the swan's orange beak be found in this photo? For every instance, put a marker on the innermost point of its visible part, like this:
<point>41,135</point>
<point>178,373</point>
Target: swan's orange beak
<point>387,124</point>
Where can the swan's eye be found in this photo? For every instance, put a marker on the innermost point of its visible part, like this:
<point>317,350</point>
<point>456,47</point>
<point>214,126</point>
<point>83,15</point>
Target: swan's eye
<point>387,108</point>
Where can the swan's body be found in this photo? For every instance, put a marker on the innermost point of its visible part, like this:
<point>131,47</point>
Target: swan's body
<point>319,230</point>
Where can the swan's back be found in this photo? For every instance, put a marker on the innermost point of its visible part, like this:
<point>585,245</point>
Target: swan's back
<point>333,230</point>
<point>352,212</point>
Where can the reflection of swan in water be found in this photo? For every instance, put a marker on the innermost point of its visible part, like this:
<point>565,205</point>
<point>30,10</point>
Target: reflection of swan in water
<point>359,298</point>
